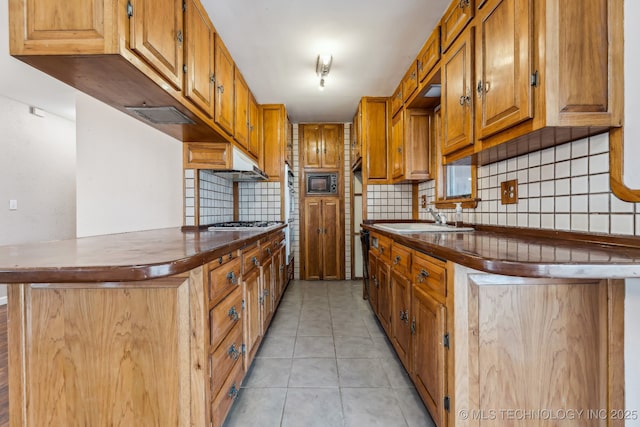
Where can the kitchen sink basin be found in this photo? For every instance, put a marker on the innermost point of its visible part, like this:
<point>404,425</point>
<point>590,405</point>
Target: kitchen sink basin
<point>419,227</point>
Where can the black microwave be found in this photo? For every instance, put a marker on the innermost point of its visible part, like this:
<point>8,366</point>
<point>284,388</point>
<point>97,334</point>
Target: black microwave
<point>322,183</point>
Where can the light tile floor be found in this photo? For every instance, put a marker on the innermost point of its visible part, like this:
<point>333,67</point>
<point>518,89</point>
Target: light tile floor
<point>326,362</point>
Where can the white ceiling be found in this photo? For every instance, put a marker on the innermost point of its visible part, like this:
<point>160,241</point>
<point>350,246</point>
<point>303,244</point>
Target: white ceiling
<point>275,43</point>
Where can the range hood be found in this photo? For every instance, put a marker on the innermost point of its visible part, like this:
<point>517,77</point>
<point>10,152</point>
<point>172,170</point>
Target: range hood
<point>242,169</point>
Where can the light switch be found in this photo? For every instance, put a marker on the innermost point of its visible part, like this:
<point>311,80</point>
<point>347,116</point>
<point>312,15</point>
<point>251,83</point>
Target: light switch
<point>13,205</point>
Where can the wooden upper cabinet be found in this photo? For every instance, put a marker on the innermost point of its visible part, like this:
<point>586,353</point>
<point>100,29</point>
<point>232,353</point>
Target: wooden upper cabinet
<point>321,145</point>
<point>156,35</point>
<point>373,128</point>
<point>455,20</point>
<point>457,95</point>
<point>396,155</point>
<point>503,65</point>
<point>224,91</point>
<point>397,100</point>
<point>410,81</point>
<point>288,153</point>
<point>199,55</point>
<point>58,27</point>
<point>419,145</point>
<point>254,129</point>
<point>241,110</point>
<point>429,55</point>
<point>273,129</point>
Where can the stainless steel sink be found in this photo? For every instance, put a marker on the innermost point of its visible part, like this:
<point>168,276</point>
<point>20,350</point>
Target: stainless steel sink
<point>419,227</point>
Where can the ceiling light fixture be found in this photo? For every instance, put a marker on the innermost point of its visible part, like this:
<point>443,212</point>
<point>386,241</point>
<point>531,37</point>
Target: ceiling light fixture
<point>323,66</point>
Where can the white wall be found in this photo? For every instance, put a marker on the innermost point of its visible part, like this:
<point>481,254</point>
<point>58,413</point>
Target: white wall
<point>37,168</point>
<point>129,175</point>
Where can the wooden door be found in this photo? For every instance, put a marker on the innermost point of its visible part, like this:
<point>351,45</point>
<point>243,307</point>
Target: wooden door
<point>224,95</point>
<point>374,135</point>
<point>266,273</point>
<point>241,109</point>
<point>374,284</point>
<point>311,146</point>
<point>430,54</point>
<point>503,65</point>
<point>313,239</point>
<point>455,19</point>
<point>397,145</point>
<point>199,54</point>
<point>384,296</point>
<point>331,240</point>
<point>410,82</point>
<point>273,124</point>
<point>457,95</point>
<point>156,35</point>
<point>254,136</point>
<point>400,300</point>
<point>252,321</point>
<point>428,370</point>
<point>332,146</point>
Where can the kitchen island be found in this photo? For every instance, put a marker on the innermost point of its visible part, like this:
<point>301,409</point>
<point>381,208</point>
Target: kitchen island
<point>126,329</point>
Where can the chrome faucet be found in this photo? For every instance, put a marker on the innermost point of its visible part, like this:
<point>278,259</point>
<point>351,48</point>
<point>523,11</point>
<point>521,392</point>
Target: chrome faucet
<point>436,216</point>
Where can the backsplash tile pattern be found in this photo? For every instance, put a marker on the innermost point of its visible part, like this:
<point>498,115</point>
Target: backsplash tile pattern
<point>561,188</point>
<point>216,198</point>
<point>189,197</point>
<point>347,200</point>
<point>259,201</point>
<point>388,201</point>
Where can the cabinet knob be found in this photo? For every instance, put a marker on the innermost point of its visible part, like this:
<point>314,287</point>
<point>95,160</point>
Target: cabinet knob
<point>233,314</point>
<point>179,36</point>
<point>233,352</point>
<point>221,88</point>
<point>463,4</point>
<point>233,392</point>
<point>212,78</point>
<point>232,278</point>
<point>396,260</point>
<point>255,261</point>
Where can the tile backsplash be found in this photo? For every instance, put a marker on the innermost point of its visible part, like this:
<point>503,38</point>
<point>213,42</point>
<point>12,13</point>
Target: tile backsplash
<point>389,201</point>
<point>216,198</point>
<point>561,188</point>
<point>259,201</point>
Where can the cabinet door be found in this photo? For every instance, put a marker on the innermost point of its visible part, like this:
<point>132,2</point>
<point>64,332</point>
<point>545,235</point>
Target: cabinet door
<point>241,109</point>
<point>410,82</point>
<point>384,296</point>
<point>457,95</point>
<point>224,95</point>
<point>419,153</point>
<point>396,99</point>
<point>313,239</point>
<point>156,36</point>
<point>331,239</point>
<point>252,322</point>
<point>430,54</point>
<point>199,49</point>
<point>374,284</point>
<point>254,136</point>
<point>503,65</point>
<point>273,119</point>
<point>455,19</point>
<point>311,146</point>
<point>400,330</point>
<point>374,132</point>
<point>397,145</point>
<point>332,145</point>
<point>429,368</point>
<point>266,306</point>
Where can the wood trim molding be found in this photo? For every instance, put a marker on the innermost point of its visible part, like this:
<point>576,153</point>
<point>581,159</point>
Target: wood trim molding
<point>616,167</point>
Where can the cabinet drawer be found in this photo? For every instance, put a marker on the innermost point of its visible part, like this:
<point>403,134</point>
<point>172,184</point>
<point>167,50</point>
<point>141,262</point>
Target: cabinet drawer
<point>207,155</point>
<point>454,20</point>
<point>224,275</point>
<point>250,259</point>
<point>381,246</point>
<point>225,316</point>
<point>401,259</point>
<point>227,395</point>
<point>228,353</point>
<point>430,273</point>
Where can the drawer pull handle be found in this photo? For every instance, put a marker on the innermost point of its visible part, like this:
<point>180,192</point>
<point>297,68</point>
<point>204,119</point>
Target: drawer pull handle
<point>233,314</point>
<point>233,392</point>
<point>232,278</point>
<point>233,352</point>
<point>255,261</point>
<point>268,251</point>
<point>381,249</point>
<point>423,275</point>
<point>396,261</point>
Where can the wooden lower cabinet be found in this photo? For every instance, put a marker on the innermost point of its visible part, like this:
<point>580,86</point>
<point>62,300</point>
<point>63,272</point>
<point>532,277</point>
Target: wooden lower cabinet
<point>323,239</point>
<point>384,296</point>
<point>374,284</point>
<point>266,296</point>
<point>428,353</point>
<point>400,288</point>
<point>252,319</point>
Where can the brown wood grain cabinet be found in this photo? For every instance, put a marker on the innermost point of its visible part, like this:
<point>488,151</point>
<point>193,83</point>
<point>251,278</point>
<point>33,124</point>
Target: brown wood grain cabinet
<point>323,239</point>
<point>356,138</point>
<point>255,143</point>
<point>241,111</point>
<point>454,21</point>
<point>429,55</point>
<point>412,148</point>
<point>224,82</point>
<point>457,101</point>
<point>397,100</point>
<point>374,137</point>
<point>321,145</point>
<point>400,287</point>
<point>396,148</point>
<point>251,298</point>
<point>274,123</point>
<point>199,42</point>
<point>410,81</point>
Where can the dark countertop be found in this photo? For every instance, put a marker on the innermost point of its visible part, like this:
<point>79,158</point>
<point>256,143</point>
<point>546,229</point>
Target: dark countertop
<point>121,257</point>
<point>528,253</point>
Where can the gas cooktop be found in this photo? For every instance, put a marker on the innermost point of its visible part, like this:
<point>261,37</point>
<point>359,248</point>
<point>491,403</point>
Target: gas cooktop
<point>242,225</point>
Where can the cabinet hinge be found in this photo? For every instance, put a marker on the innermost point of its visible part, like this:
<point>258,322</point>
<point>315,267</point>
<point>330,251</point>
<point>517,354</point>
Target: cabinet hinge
<point>445,340</point>
<point>413,326</point>
<point>244,348</point>
<point>447,403</point>
<point>129,9</point>
<point>534,79</point>
<point>184,68</point>
<point>243,304</point>
<point>184,6</point>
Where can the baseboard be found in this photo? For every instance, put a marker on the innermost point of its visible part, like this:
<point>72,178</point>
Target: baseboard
<point>3,300</point>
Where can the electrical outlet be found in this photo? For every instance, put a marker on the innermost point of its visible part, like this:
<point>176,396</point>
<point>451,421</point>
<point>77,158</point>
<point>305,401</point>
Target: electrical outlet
<point>509,192</point>
<point>423,202</point>
<point>13,205</point>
